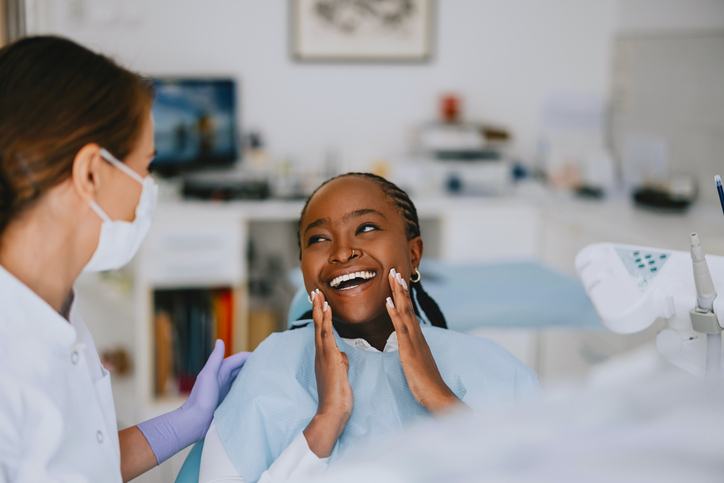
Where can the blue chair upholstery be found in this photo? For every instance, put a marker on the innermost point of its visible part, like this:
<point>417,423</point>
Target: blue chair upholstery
<point>299,306</point>
<point>510,294</point>
<point>189,472</point>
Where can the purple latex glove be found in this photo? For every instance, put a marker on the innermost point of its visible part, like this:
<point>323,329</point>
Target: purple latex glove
<point>171,432</point>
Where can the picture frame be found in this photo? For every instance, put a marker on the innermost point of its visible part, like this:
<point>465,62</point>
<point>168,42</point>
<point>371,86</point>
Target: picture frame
<point>376,31</point>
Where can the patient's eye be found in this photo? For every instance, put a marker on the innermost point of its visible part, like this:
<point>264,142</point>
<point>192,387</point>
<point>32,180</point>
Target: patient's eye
<point>315,239</point>
<point>367,227</point>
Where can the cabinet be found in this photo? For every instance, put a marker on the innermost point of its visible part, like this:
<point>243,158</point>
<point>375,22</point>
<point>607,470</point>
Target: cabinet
<point>188,252</point>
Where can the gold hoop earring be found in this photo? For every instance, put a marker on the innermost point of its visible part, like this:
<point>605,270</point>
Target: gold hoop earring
<point>310,299</point>
<point>415,280</point>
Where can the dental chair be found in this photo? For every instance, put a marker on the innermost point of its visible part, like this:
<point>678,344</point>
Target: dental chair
<point>189,472</point>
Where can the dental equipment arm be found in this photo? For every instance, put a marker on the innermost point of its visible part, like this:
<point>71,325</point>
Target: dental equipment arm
<point>703,319</point>
<point>631,287</point>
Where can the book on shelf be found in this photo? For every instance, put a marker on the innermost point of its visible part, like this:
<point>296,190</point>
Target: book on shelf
<point>187,324</point>
<point>223,306</point>
<point>164,353</point>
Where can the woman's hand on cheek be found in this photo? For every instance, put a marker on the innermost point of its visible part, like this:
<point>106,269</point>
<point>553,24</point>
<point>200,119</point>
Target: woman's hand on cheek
<point>423,376</point>
<point>331,368</point>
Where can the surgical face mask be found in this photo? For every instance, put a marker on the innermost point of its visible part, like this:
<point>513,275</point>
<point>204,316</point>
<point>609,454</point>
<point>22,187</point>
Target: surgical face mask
<point>120,240</point>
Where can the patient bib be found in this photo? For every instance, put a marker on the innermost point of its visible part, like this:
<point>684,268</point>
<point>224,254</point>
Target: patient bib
<point>275,395</point>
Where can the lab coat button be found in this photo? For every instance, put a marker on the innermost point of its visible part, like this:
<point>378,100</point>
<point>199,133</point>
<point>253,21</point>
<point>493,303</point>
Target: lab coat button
<point>99,436</point>
<point>74,356</point>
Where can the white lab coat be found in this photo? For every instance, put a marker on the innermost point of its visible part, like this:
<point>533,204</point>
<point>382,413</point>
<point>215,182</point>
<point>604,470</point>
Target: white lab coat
<point>57,417</point>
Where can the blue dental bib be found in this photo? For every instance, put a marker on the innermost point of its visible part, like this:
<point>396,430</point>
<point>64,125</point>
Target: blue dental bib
<point>275,395</point>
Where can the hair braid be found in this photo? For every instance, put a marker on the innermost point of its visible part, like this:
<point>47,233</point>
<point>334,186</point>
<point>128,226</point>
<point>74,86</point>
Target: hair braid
<point>429,306</point>
<point>406,208</point>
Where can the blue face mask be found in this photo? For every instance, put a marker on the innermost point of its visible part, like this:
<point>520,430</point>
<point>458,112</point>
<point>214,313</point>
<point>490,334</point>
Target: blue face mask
<point>120,240</point>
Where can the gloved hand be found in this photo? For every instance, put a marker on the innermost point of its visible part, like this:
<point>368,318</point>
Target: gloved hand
<point>171,432</point>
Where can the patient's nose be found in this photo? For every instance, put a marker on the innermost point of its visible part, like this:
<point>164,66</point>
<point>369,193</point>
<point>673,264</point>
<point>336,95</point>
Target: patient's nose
<point>343,253</point>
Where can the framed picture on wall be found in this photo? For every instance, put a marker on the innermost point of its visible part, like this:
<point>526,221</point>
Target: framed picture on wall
<point>362,30</point>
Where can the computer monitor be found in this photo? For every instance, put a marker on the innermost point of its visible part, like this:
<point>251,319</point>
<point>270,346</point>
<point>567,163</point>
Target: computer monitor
<point>195,124</point>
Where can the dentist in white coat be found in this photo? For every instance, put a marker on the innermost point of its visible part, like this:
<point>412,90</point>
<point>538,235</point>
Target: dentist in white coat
<point>76,140</point>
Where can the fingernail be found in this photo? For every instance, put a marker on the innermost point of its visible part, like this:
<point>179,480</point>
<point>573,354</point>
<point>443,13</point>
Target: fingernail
<point>393,272</point>
<point>398,277</point>
<point>390,303</point>
<point>317,290</point>
<point>403,283</point>
<point>313,294</point>
<point>324,307</point>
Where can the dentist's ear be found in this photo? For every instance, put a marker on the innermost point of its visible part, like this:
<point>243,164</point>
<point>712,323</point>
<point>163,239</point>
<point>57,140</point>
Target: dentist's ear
<point>86,172</point>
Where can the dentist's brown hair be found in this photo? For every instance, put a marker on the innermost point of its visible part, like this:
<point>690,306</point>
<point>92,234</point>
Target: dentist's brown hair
<point>56,97</point>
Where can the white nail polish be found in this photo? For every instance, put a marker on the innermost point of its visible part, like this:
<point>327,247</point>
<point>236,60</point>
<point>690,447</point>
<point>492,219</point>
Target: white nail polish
<point>393,272</point>
<point>398,277</point>
<point>317,290</point>
<point>324,307</point>
<point>403,283</point>
<point>313,294</point>
<point>390,303</point>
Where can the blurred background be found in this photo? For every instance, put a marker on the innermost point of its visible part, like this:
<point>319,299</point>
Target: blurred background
<point>523,130</point>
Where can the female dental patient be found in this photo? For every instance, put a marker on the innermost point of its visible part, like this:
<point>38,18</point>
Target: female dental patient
<point>365,366</point>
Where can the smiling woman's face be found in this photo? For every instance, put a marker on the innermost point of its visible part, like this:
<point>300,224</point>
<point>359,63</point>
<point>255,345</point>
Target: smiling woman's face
<point>353,213</point>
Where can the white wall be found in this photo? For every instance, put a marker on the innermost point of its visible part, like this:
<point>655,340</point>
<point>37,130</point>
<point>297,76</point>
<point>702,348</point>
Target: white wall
<point>639,16</point>
<point>668,77</point>
<point>503,56</point>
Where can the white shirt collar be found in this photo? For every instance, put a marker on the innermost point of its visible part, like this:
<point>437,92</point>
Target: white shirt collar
<point>23,311</point>
<point>390,345</point>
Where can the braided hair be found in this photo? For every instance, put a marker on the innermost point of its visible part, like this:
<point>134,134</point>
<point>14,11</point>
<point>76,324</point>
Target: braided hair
<point>406,208</point>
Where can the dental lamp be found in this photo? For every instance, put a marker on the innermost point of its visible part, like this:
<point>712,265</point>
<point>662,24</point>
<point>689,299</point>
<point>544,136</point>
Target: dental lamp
<point>631,287</point>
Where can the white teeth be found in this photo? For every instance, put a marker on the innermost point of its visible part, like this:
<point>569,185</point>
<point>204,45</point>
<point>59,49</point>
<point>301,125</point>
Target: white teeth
<point>350,276</point>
